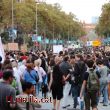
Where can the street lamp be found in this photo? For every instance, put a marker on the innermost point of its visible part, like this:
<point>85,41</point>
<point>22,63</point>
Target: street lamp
<point>37,1</point>
<point>53,33</point>
<point>12,21</point>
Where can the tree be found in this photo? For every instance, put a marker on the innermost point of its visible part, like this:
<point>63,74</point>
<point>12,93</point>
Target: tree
<point>52,21</point>
<point>103,27</point>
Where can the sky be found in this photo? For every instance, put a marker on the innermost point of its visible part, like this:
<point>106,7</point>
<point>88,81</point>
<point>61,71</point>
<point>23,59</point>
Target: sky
<point>83,9</point>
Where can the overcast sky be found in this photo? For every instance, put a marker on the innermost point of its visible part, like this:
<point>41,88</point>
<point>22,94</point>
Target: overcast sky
<point>83,9</point>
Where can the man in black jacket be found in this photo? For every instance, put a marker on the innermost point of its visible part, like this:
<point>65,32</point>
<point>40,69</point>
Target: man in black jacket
<point>79,71</point>
<point>65,66</point>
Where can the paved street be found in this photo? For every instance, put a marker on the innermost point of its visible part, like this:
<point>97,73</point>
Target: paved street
<point>48,106</point>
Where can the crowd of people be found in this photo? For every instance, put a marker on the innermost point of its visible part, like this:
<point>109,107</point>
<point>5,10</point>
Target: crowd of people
<point>85,75</point>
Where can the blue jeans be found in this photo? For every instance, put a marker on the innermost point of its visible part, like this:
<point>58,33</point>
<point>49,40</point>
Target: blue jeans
<point>82,105</point>
<point>104,91</point>
<point>75,94</point>
<point>38,87</point>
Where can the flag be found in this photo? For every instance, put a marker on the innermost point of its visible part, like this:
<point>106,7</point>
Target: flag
<point>2,53</point>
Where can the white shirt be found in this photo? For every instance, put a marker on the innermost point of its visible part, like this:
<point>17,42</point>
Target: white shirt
<point>41,73</point>
<point>17,76</point>
<point>22,69</point>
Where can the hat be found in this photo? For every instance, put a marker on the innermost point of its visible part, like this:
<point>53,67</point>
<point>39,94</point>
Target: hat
<point>7,74</point>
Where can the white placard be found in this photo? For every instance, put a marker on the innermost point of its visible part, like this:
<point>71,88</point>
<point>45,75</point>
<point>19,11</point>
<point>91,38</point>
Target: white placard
<point>89,43</point>
<point>57,48</point>
<point>13,46</point>
<point>2,53</point>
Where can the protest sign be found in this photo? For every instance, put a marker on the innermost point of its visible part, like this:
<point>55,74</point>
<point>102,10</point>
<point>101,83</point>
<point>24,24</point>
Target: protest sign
<point>57,48</point>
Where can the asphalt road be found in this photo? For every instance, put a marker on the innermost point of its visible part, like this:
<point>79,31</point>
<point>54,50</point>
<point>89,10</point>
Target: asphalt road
<point>49,106</point>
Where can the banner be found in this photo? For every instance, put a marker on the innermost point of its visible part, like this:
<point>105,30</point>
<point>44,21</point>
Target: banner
<point>34,38</point>
<point>57,48</point>
<point>13,46</point>
<point>96,43</point>
<point>60,41</point>
<point>39,38</point>
<point>54,41</point>
<point>2,53</point>
<point>47,41</point>
<point>89,43</point>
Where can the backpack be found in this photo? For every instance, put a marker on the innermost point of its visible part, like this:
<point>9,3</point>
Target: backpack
<point>36,78</point>
<point>44,85</point>
<point>93,81</point>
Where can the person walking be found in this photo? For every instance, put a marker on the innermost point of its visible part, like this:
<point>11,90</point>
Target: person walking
<point>79,70</point>
<point>30,75</point>
<point>65,67</point>
<point>90,86</point>
<point>28,89</point>
<point>41,74</point>
<point>7,92</point>
<point>103,70</point>
<point>56,84</point>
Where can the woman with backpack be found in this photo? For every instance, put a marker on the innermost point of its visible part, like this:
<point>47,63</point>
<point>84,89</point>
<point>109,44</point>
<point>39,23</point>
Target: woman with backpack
<point>41,74</point>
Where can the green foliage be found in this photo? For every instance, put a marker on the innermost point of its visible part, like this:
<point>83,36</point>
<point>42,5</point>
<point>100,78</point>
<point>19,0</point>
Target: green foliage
<point>5,37</point>
<point>103,27</point>
<point>51,19</point>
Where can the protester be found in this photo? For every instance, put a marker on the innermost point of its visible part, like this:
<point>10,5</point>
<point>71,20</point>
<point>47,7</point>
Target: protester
<point>17,76</point>
<point>41,74</point>
<point>56,84</point>
<point>28,89</point>
<point>90,86</point>
<point>103,70</point>
<point>30,75</point>
<point>22,69</point>
<point>79,70</point>
<point>7,64</point>
<point>7,92</point>
<point>65,66</point>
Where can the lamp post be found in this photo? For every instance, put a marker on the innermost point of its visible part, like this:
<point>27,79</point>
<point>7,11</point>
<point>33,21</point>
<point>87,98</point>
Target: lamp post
<point>36,16</point>
<point>53,34</point>
<point>12,25</point>
<point>37,1</point>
